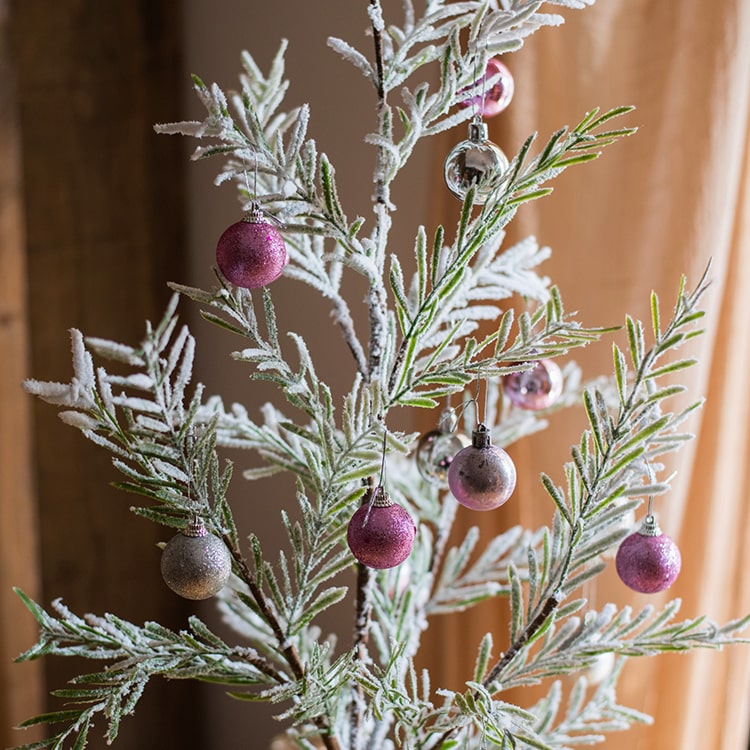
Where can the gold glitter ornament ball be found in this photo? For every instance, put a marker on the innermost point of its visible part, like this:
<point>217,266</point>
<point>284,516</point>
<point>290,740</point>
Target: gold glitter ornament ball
<point>196,564</point>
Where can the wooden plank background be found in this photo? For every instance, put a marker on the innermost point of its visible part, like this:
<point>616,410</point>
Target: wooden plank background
<point>20,685</point>
<point>102,200</point>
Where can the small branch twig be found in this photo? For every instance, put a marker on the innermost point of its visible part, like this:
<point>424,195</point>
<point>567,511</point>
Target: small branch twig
<point>376,299</point>
<point>550,605</point>
<point>376,20</point>
<point>251,656</point>
<point>343,317</point>
<point>290,652</point>
<point>361,637</point>
<point>378,38</point>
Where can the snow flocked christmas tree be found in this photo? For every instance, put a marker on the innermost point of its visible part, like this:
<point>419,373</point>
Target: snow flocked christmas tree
<point>369,531</point>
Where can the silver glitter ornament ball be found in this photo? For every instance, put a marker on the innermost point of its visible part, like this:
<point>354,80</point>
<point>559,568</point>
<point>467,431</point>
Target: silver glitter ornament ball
<point>476,161</point>
<point>195,564</point>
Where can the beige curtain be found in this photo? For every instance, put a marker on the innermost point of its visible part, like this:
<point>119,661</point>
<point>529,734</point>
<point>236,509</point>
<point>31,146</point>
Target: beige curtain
<point>653,207</point>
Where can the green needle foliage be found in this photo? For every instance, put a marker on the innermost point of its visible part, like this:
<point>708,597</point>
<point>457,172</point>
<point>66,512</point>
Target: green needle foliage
<point>430,335</point>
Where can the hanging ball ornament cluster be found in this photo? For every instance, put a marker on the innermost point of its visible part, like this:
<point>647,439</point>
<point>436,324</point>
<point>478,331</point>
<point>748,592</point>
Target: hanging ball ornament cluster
<point>648,561</point>
<point>482,476</point>
<point>493,100</point>
<point>381,533</point>
<point>251,253</point>
<point>436,449</point>
<point>194,563</point>
<point>536,388</point>
<point>475,162</point>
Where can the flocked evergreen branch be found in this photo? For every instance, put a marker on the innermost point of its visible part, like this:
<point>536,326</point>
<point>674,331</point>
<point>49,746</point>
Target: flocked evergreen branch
<point>610,463</point>
<point>429,336</point>
<point>153,438</point>
<point>547,636</point>
<point>135,655</point>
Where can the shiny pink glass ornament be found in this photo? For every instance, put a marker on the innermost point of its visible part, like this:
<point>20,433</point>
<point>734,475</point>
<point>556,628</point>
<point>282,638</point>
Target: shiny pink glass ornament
<point>251,253</point>
<point>534,389</point>
<point>482,476</point>
<point>498,96</point>
<point>380,533</point>
<point>648,561</point>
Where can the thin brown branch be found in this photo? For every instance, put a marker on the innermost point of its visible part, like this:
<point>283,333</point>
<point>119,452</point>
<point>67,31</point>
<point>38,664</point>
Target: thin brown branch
<point>343,317</point>
<point>550,605</point>
<point>378,39</point>
<point>376,299</point>
<point>251,656</point>
<point>361,636</point>
<point>287,649</point>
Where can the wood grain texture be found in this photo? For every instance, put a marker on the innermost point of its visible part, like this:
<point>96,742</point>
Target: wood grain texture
<point>20,685</point>
<point>104,230</point>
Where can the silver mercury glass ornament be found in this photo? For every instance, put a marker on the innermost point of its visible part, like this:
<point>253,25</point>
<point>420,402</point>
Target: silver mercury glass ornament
<point>436,449</point>
<point>476,161</point>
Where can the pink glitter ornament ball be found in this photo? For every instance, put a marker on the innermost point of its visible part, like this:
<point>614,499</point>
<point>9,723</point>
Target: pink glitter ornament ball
<point>498,96</point>
<point>381,533</point>
<point>251,253</point>
<point>648,561</point>
<point>534,389</point>
<point>482,476</point>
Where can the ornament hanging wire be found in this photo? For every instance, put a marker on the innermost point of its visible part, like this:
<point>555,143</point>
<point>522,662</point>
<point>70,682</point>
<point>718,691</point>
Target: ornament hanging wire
<point>381,481</point>
<point>474,103</point>
<point>448,421</point>
<point>481,415</point>
<point>454,414</point>
<point>479,105</point>
<point>651,478</point>
<point>378,490</point>
<point>254,192</point>
<point>256,211</point>
<point>477,102</point>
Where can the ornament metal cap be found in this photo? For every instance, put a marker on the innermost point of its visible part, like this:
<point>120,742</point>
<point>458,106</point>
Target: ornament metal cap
<point>481,437</point>
<point>650,526</point>
<point>254,215</point>
<point>478,132</point>
<point>196,528</point>
<point>448,421</point>
<point>377,498</point>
